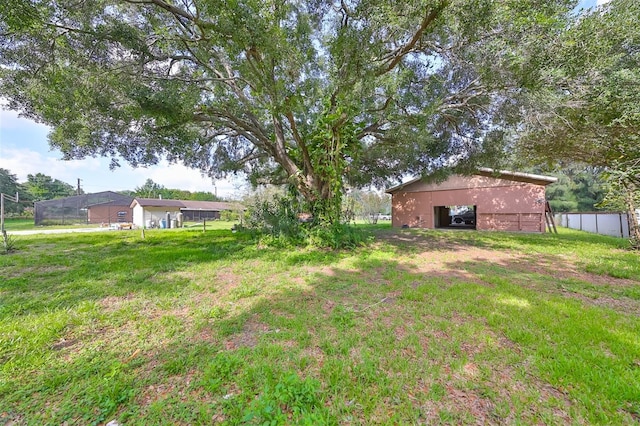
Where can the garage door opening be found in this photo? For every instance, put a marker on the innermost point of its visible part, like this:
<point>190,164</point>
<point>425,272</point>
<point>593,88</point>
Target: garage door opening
<point>459,217</point>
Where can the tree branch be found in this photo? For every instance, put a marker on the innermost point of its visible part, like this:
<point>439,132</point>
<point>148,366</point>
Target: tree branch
<point>168,7</point>
<point>399,53</point>
<point>306,158</point>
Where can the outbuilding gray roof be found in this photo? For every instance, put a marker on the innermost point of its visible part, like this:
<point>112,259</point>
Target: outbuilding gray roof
<point>156,202</point>
<point>183,204</point>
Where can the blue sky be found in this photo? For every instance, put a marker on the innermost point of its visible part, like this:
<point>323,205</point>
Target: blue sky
<point>585,4</point>
<point>24,150</point>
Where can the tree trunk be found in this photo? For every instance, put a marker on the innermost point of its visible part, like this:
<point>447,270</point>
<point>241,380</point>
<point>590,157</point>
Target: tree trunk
<point>634,229</point>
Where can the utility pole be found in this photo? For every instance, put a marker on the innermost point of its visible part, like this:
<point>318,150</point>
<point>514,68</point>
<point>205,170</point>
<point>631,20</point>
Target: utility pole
<point>78,189</point>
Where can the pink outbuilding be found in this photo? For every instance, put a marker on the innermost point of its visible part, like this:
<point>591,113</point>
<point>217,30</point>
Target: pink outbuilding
<point>486,200</point>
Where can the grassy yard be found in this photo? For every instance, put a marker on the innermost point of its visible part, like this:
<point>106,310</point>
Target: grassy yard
<point>28,224</point>
<point>192,327</point>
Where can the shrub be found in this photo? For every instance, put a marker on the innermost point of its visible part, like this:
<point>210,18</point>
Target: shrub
<point>291,400</point>
<point>277,219</point>
<point>229,215</point>
<point>281,222</point>
<point>337,236</point>
<point>8,243</point>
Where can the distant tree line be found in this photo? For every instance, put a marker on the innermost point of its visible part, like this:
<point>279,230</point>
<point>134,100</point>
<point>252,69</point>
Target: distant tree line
<point>151,189</point>
<point>37,187</point>
<point>578,189</point>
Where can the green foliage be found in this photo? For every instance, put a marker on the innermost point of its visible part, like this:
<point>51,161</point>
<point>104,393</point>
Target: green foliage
<point>292,399</point>
<point>624,190</point>
<point>283,221</point>
<point>8,243</point>
<point>312,94</point>
<point>279,219</point>
<point>338,236</point>
<point>221,369</point>
<point>151,189</point>
<point>9,185</point>
<point>18,15</point>
<point>585,105</point>
<point>368,205</point>
<point>229,216</point>
<point>42,187</point>
<point>578,189</point>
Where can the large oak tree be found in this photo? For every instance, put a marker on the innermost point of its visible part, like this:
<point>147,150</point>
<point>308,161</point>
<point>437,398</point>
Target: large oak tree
<point>316,93</point>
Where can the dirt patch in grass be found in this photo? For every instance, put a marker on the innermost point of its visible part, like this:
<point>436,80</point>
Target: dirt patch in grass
<point>35,270</point>
<point>222,280</point>
<point>453,265</point>
<point>205,334</point>
<point>467,385</point>
<point>11,419</point>
<point>325,271</point>
<point>622,305</point>
<point>410,242</point>
<point>115,303</point>
<point>315,353</point>
<point>178,387</point>
<point>480,408</point>
<point>63,344</point>
<point>438,258</point>
<point>475,387</point>
<point>563,268</point>
<point>249,336</point>
<point>226,280</point>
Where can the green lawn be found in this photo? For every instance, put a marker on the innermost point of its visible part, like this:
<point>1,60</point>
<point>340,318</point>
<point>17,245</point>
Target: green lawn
<point>192,327</point>
<point>28,224</point>
<point>18,224</point>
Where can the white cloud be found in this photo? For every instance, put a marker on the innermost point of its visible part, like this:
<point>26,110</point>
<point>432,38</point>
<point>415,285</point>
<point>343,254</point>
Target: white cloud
<point>23,162</point>
<point>95,174</point>
<point>11,120</point>
<point>24,150</point>
<point>181,177</point>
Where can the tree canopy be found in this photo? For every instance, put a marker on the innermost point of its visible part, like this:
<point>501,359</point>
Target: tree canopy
<point>586,107</point>
<point>578,189</point>
<point>151,189</point>
<point>313,93</point>
<point>42,187</point>
<point>9,185</point>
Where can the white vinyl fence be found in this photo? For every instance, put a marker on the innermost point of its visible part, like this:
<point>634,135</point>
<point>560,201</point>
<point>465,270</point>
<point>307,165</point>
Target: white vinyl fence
<point>614,224</point>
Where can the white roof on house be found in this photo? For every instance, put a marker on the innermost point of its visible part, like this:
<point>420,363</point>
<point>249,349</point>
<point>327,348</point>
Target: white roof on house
<point>183,204</point>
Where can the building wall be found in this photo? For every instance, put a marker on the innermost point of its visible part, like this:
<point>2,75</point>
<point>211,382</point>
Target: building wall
<point>109,214</point>
<point>141,215</point>
<point>156,214</point>
<point>138,215</point>
<point>500,204</point>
